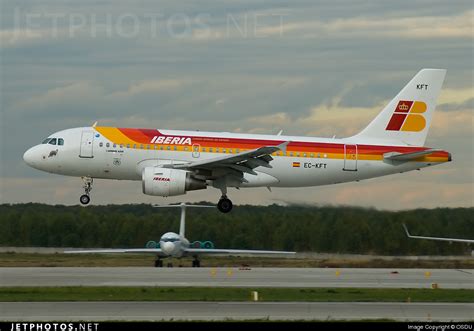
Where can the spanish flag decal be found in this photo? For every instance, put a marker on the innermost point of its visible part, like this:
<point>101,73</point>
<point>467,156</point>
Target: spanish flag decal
<point>296,164</point>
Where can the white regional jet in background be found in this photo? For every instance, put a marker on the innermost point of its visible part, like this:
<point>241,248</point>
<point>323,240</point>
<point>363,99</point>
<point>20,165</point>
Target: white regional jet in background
<point>459,240</point>
<point>176,245</point>
<point>170,162</point>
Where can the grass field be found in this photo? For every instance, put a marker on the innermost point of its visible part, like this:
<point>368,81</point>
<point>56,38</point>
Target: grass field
<point>147,260</point>
<point>232,294</point>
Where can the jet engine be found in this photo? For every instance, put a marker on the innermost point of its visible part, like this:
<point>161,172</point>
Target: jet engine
<point>202,244</point>
<point>168,182</point>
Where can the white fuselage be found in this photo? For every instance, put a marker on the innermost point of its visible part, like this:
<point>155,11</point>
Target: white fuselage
<point>307,162</point>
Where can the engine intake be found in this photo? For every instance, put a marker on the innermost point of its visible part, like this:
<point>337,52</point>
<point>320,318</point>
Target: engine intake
<point>168,182</point>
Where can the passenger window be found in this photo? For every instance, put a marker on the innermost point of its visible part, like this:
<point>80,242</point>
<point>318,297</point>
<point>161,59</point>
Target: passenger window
<point>128,145</point>
<point>134,145</point>
<point>168,147</point>
<point>210,149</point>
<point>101,144</point>
<point>52,141</point>
<point>107,145</point>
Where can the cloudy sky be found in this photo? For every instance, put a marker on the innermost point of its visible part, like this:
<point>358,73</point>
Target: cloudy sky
<point>307,67</point>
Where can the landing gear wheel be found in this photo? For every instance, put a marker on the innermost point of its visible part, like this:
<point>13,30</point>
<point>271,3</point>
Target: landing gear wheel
<point>158,263</point>
<point>224,205</point>
<point>85,199</point>
<point>170,265</point>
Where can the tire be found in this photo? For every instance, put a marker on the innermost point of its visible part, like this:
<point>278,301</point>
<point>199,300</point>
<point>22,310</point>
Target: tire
<point>224,205</point>
<point>84,199</point>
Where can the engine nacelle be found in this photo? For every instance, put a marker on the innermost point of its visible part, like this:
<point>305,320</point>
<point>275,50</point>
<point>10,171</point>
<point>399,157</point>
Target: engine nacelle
<point>167,182</point>
<point>202,244</point>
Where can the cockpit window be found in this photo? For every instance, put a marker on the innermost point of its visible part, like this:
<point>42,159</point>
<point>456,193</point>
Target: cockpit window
<point>60,141</point>
<point>46,141</point>
<point>170,239</point>
<point>52,141</point>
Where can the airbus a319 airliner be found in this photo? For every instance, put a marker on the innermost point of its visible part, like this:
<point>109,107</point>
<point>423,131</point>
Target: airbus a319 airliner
<point>170,162</point>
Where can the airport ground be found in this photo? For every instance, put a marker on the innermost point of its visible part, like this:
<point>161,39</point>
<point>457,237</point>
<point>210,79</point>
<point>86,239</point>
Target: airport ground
<point>55,286</point>
<point>26,257</point>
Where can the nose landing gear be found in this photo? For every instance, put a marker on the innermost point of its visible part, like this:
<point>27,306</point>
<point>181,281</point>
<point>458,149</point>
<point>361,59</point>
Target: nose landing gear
<point>85,198</point>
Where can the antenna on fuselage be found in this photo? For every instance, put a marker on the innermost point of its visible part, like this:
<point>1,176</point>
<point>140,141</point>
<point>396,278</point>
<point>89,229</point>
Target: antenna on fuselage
<point>183,206</point>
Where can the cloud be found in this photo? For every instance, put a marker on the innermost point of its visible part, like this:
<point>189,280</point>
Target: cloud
<point>148,86</point>
<point>327,70</point>
<point>415,27</point>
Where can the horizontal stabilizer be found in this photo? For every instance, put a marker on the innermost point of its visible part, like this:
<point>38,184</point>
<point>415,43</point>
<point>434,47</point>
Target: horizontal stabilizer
<point>395,156</point>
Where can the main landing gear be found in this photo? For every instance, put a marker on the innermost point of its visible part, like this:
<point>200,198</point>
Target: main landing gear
<point>224,205</point>
<point>196,262</point>
<point>159,263</point>
<point>85,198</point>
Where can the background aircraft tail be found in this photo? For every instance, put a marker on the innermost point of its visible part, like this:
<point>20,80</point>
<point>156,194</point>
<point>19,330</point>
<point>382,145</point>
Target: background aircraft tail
<point>407,118</point>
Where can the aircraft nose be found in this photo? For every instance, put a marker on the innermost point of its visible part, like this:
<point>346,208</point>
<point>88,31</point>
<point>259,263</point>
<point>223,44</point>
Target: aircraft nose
<point>167,247</point>
<point>29,157</point>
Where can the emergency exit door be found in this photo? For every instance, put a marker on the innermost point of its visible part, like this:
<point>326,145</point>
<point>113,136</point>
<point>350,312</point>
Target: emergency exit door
<point>350,157</point>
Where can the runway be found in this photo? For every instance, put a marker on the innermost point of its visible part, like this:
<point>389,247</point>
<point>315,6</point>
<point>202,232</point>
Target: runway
<point>234,277</point>
<point>159,311</point>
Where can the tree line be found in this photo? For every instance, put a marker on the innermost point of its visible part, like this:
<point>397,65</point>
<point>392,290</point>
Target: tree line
<point>301,228</point>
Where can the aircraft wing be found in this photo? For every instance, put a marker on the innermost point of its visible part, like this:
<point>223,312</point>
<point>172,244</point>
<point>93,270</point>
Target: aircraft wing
<point>438,238</point>
<point>239,163</point>
<point>116,250</point>
<point>234,251</point>
<point>395,156</point>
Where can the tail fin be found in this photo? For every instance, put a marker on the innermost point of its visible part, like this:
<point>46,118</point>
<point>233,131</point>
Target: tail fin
<point>407,118</point>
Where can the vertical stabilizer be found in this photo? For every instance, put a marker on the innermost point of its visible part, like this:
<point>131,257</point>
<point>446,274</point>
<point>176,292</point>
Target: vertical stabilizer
<point>407,118</point>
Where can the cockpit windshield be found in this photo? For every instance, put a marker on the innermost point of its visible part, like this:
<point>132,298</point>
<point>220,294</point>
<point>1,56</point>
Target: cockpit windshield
<point>54,141</point>
<point>172,240</point>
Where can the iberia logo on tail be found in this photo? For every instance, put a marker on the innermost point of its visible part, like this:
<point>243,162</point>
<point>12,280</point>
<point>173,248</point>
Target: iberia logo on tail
<point>408,117</point>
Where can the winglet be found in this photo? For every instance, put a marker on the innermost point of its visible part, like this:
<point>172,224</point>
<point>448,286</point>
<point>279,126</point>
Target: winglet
<point>406,231</point>
<point>282,146</point>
